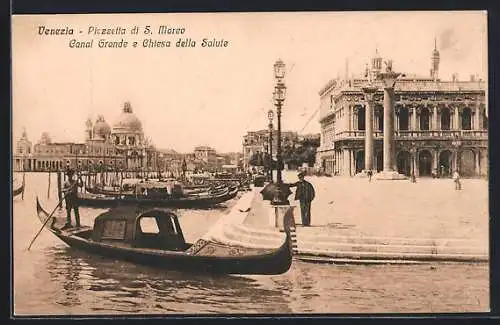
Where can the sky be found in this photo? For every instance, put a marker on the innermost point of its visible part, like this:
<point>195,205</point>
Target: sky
<point>212,96</point>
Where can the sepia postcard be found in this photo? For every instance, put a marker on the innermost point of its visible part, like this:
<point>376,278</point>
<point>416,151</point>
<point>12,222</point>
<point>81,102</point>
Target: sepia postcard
<point>250,163</point>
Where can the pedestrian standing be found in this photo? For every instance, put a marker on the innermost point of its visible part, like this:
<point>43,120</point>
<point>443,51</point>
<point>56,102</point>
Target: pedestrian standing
<point>456,180</point>
<point>304,194</point>
<point>370,173</point>
<point>70,190</point>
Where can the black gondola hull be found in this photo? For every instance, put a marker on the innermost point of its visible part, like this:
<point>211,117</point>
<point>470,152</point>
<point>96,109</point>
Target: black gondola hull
<point>268,262</point>
<point>103,201</point>
<point>17,191</point>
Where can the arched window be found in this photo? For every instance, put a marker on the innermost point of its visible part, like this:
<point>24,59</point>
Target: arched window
<point>424,119</point>
<point>361,118</point>
<point>445,118</point>
<point>403,118</point>
<point>466,119</point>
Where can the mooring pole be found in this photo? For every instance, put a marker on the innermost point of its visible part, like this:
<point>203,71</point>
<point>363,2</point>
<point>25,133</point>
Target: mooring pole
<point>48,189</point>
<point>24,186</point>
<point>59,186</point>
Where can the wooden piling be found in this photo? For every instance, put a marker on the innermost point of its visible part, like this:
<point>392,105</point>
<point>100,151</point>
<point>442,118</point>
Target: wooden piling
<point>48,188</point>
<point>24,186</point>
<point>59,185</point>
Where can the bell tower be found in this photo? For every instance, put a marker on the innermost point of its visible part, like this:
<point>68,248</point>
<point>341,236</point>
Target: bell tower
<point>88,129</point>
<point>435,58</point>
<point>376,64</point>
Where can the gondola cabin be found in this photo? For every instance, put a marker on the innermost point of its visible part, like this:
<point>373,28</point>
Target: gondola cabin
<point>159,190</point>
<point>153,229</point>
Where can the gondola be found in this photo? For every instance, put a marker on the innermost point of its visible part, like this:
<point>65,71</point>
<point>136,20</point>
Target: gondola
<point>186,190</point>
<point>18,190</point>
<point>192,201</point>
<point>154,237</point>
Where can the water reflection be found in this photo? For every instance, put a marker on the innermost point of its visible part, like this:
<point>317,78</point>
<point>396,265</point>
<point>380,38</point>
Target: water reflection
<point>129,288</point>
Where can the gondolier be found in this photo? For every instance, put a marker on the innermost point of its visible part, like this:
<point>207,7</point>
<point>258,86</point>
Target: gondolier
<point>70,190</point>
<point>305,194</point>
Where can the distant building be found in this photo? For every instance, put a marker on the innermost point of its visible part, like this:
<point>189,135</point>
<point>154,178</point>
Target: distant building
<point>207,155</point>
<point>258,141</point>
<point>439,126</point>
<point>121,147</point>
<point>23,153</point>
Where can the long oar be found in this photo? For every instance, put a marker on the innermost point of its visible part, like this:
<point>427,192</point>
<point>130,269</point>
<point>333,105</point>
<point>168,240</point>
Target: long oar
<point>47,220</point>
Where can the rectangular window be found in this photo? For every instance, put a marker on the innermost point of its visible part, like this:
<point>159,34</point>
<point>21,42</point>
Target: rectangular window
<point>114,229</point>
<point>149,225</point>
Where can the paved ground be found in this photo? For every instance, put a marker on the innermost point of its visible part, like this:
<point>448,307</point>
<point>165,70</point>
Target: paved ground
<point>430,208</point>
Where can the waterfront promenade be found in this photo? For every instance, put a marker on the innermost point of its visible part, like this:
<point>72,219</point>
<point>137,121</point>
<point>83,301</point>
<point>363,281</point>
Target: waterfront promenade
<point>398,221</point>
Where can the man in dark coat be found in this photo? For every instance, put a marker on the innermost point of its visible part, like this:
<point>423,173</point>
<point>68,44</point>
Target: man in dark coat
<point>305,194</point>
<point>70,190</point>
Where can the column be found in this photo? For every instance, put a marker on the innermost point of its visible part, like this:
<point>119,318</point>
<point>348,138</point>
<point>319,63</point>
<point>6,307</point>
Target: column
<point>352,158</point>
<point>345,165</point>
<point>435,155</point>
<point>477,159</point>
<point>346,115</point>
<point>455,160</point>
<point>355,118</point>
<point>369,147</point>
<point>388,128</point>
<point>456,125</point>
<point>477,125</point>
<point>396,126</point>
<point>435,124</point>
<point>415,164</point>
<point>414,119</point>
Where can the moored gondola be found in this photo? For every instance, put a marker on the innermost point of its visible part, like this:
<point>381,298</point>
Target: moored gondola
<point>154,237</point>
<point>18,190</point>
<point>191,201</point>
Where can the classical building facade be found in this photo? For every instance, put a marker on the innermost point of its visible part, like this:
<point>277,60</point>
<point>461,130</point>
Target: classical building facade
<point>207,155</point>
<point>121,147</point>
<point>439,125</point>
<point>258,141</point>
<point>23,153</point>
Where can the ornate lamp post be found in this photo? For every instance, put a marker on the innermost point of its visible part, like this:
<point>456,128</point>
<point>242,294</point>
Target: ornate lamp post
<point>270,116</point>
<point>279,95</point>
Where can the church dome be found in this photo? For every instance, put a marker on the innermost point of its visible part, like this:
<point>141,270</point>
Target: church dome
<point>101,128</point>
<point>128,121</point>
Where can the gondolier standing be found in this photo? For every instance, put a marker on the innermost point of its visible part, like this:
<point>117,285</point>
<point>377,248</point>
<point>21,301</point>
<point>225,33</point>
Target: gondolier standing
<point>70,190</point>
<point>305,194</point>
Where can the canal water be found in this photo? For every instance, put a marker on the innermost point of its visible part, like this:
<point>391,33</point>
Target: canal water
<point>53,279</point>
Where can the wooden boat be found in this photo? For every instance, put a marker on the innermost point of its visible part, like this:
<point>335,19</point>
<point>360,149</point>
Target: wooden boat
<point>18,190</point>
<point>155,237</point>
<point>104,191</point>
<point>193,201</point>
<point>183,191</point>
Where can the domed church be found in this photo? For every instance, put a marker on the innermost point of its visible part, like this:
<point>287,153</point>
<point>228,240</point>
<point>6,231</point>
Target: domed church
<point>120,147</point>
<point>128,138</point>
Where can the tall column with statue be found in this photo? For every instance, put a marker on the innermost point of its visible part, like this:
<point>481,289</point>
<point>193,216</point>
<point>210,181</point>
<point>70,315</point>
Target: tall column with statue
<point>389,171</point>
<point>369,93</point>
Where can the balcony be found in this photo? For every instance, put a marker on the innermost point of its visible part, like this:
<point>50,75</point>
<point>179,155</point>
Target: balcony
<point>430,134</point>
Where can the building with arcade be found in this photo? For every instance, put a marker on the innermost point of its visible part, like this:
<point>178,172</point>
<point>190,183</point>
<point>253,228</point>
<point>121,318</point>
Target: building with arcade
<point>439,125</point>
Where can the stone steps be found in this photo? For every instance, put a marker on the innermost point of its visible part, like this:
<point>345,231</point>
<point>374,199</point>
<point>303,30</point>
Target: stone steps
<point>394,256</point>
<point>389,240</point>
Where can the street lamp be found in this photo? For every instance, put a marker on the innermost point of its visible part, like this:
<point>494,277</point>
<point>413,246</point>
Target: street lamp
<point>270,116</point>
<point>279,95</point>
